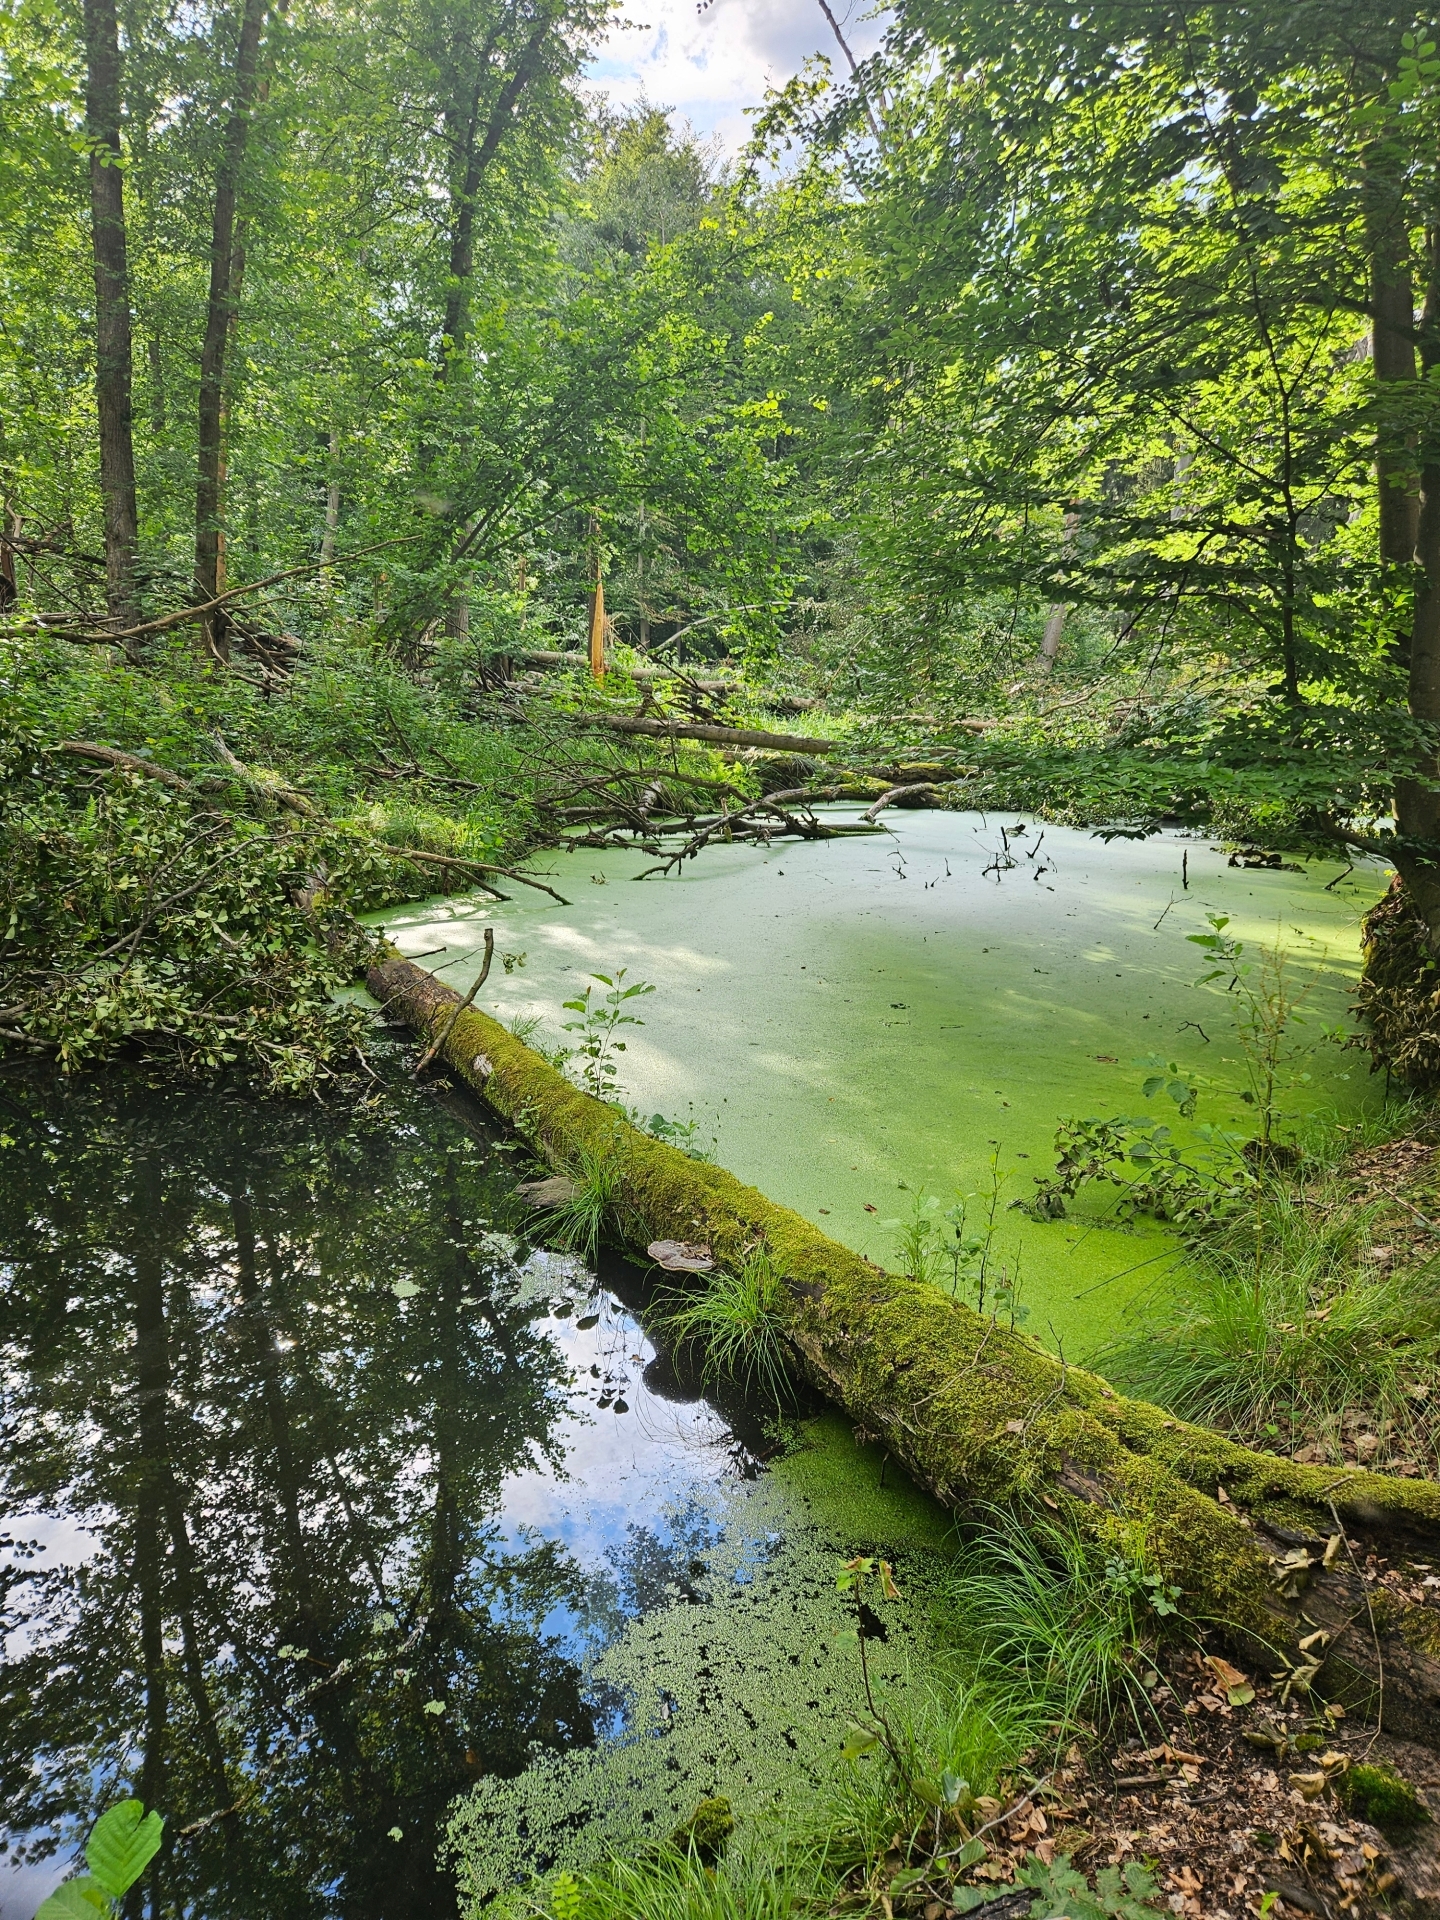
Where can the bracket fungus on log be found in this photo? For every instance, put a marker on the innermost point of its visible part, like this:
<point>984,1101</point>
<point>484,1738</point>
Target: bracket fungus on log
<point>980,1415</point>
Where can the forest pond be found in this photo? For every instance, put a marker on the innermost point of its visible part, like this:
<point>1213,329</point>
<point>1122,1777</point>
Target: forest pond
<point>838,1017</point>
<point>330,1498</point>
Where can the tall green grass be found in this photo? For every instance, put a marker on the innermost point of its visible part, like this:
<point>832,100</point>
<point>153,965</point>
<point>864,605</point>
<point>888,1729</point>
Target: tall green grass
<point>1283,1328</point>
<point>1062,1634</point>
<point>735,1327</point>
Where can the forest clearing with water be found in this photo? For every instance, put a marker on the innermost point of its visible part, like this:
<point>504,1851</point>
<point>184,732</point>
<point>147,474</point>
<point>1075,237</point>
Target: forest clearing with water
<point>719,963</point>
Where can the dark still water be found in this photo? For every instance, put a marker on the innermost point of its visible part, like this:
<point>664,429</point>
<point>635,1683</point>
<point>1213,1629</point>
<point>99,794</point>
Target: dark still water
<point>321,1486</point>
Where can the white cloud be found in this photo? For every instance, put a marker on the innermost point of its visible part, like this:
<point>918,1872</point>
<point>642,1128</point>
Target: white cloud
<point>709,67</point>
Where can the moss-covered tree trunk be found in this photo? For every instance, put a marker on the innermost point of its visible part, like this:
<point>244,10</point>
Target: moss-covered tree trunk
<point>983,1415</point>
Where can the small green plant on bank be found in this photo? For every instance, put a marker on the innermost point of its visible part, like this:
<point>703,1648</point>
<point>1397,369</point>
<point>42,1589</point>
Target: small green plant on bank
<point>735,1325</point>
<point>1198,1184</point>
<point>122,1844</point>
<point>578,1224</point>
<point>684,1134</point>
<point>598,1026</point>
<point>1268,1012</point>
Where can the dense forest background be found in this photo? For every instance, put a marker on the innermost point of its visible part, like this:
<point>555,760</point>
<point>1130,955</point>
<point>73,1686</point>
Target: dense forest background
<point>1047,400</point>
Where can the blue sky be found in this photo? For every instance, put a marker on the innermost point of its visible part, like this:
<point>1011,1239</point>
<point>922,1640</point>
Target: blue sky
<point>708,68</point>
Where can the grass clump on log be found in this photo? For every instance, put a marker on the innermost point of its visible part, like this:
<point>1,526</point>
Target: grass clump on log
<point>979,1413</point>
<point>734,1324</point>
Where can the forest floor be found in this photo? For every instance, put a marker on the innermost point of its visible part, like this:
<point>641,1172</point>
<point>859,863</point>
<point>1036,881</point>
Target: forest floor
<point>1229,1803</point>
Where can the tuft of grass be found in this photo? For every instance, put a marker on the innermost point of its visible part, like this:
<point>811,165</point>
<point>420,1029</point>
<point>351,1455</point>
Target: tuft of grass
<point>578,1224</point>
<point>735,1324</point>
<point>1063,1635</point>
<point>954,1729</point>
<point>670,1885</point>
<point>1287,1331</point>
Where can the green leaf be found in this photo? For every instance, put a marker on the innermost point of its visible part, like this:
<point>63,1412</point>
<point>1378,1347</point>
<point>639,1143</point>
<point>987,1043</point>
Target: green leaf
<point>404,1289</point>
<point>78,1899</point>
<point>928,1791</point>
<point>858,1740</point>
<point>122,1844</point>
<point>903,1882</point>
<point>970,1855</point>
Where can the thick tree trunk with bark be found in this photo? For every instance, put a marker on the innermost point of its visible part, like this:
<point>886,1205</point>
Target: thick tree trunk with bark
<point>982,1415</point>
<point>113,373</point>
<point>1417,803</point>
<point>1392,351</point>
<point>219,310</point>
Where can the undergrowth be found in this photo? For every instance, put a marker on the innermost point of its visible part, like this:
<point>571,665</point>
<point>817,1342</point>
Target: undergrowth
<point>735,1326</point>
<point>1285,1329</point>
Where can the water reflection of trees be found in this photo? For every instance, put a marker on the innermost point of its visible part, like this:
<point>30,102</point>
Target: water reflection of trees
<point>208,1370</point>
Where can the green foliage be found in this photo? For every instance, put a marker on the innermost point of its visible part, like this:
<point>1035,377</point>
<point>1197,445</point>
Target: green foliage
<point>668,1885</point>
<point>579,1223</point>
<point>122,1844</point>
<point>598,1027</point>
<point>1284,1326</point>
<point>1057,1629</point>
<point>1130,1892</point>
<point>940,1246</point>
<point>1375,1792</point>
<point>735,1326</point>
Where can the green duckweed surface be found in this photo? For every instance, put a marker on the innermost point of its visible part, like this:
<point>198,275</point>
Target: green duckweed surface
<point>744,1684</point>
<point>842,1016</point>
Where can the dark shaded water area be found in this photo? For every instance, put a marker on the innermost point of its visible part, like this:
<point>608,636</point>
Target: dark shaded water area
<point>324,1487</point>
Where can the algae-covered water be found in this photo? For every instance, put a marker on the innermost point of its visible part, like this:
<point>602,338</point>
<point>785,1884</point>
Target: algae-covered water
<point>330,1499</point>
<point>843,1016</point>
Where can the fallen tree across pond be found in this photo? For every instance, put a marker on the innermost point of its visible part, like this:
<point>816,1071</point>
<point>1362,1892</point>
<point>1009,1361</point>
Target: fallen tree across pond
<point>720,736</point>
<point>1264,1550</point>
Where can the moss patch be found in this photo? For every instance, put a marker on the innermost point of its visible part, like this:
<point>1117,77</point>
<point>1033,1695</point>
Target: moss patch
<point>1379,1794</point>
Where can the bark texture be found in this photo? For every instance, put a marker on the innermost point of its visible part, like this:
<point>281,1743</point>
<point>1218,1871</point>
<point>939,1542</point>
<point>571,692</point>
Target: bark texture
<point>982,1415</point>
<point>220,308</point>
<point>113,369</point>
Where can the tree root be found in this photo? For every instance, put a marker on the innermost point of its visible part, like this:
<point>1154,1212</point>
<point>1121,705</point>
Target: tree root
<point>980,1414</point>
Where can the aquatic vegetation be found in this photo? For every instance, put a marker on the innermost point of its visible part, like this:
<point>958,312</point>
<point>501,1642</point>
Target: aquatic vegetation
<point>599,1025</point>
<point>1284,1328</point>
<point>742,1688</point>
<point>1200,1182</point>
<point>735,1326</point>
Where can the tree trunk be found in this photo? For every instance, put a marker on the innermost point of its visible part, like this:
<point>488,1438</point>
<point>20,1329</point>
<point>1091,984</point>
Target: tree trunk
<point>219,311</point>
<point>1417,805</point>
<point>1392,351</point>
<point>480,150</point>
<point>112,308</point>
<point>1050,639</point>
<point>982,1415</point>
<point>332,504</point>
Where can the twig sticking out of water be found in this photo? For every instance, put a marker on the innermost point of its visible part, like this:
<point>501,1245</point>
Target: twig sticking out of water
<point>444,1034</point>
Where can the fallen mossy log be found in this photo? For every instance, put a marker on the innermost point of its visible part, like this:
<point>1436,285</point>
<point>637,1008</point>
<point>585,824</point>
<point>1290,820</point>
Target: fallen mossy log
<point>1265,1551</point>
<point>719,736</point>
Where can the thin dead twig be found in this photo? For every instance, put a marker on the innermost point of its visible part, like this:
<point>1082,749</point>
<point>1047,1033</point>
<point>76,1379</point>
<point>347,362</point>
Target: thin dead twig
<point>449,1027</point>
